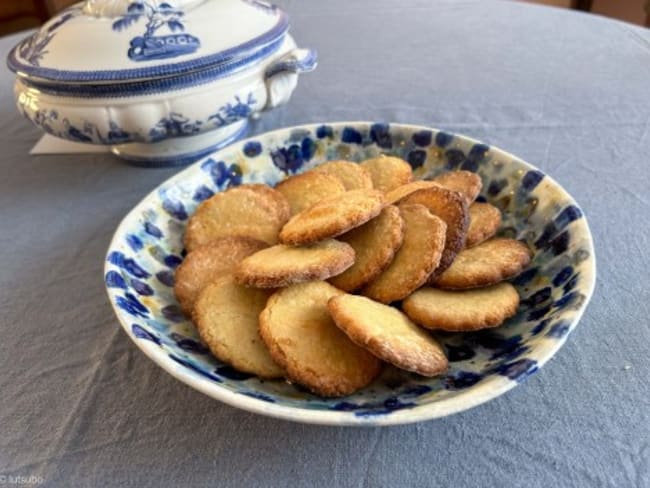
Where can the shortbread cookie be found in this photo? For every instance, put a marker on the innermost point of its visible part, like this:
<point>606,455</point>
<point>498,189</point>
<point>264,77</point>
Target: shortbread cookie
<point>486,264</point>
<point>484,221</point>
<point>452,209</point>
<point>302,337</point>
<point>226,316</point>
<point>352,175</point>
<point>388,334</point>
<point>374,243</point>
<point>464,310</point>
<point>388,172</point>
<point>207,263</point>
<point>238,211</point>
<point>304,190</point>
<point>282,265</point>
<point>466,183</point>
<point>332,217</point>
<point>397,194</point>
<point>419,255</point>
<point>282,204</point>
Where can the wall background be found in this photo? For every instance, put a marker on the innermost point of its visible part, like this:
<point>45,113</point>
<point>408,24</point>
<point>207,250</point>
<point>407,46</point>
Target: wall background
<point>17,15</point>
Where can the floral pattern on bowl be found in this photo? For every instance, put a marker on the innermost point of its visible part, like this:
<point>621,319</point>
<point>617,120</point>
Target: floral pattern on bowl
<point>555,288</point>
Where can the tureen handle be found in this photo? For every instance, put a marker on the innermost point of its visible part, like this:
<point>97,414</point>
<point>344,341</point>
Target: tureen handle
<point>282,75</point>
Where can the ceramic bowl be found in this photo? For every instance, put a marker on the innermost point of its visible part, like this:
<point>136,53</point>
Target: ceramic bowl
<point>162,82</point>
<point>554,289</point>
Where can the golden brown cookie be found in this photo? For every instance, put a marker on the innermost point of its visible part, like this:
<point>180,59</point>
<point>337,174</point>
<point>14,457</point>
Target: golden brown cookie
<point>304,190</point>
<point>397,194</point>
<point>332,217</point>
<point>302,337</point>
<point>388,172</point>
<point>281,203</point>
<point>486,264</point>
<point>238,211</point>
<point>464,310</point>
<point>207,263</point>
<point>419,255</point>
<point>388,334</point>
<point>374,243</point>
<point>466,183</point>
<point>452,209</point>
<point>484,221</point>
<point>282,265</point>
<point>227,318</point>
<point>352,175</point>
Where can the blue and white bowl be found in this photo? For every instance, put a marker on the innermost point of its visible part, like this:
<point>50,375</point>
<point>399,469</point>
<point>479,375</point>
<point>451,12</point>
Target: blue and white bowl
<point>555,289</point>
<point>162,82</point>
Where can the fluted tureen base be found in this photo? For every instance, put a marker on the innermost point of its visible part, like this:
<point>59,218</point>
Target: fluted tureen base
<point>179,151</point>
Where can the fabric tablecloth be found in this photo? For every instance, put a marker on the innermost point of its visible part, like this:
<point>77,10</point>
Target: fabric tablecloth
<point>80,405</point>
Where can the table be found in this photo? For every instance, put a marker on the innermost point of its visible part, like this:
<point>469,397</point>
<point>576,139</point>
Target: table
<point>80,405</point>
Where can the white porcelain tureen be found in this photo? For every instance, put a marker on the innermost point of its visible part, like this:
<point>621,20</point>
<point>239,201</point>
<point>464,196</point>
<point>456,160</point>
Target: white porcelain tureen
<point>159,81</point>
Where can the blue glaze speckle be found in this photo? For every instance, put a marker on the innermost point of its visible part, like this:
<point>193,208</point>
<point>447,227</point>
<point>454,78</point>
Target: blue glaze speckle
<point>478,152</point>
<point>417,158</point>
<point>152,230</point>
<point>129,265</point>
<point>496,186</point>
<point>517,370</point>
<point>443,139</point>
<point>114,279</point>
<point>455,158</point>
<point>188,344</point>
<point>202,193</point>
<point>172,261</point>
<point>560,243</point>
<point>252,149</point>
<point>567,215</point>
<point>380,135</point>
<point>564,274</point>
<point>540,296</point>
<point>222,174</point>
<point>538,313</point>
<point>571,284</point>
<point>141,333</point>
<point>232,374</point>
<point>288,159</point>
<point>307,148</point>
<point>173,313</point>
<point>459,353</point>
<point>166,277</point>
<point>324,131</point>
<point>531,180</point>
<point>566,300</point>
<point>351,136</point>
<point>422,138</point>
<point>259,396</point>
<point>175,209</point>
<point>540,327</point>
<point>196,368</point>
<point>131,305</point>
<point>559,329</point>
<point>140,287</point>
<point>134,242</point>
<point>461,380</point>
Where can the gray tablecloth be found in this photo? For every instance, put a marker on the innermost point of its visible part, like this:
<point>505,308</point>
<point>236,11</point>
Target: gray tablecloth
<point>80,405</point>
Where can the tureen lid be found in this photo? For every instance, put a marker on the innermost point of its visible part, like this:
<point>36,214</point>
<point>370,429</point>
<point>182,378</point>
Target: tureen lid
<point>108,41</point>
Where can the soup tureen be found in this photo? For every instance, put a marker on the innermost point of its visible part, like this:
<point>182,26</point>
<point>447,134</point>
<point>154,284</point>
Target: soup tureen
<point>159,81</point>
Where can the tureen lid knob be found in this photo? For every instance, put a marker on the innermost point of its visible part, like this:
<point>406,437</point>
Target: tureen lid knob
<point>119,8</point>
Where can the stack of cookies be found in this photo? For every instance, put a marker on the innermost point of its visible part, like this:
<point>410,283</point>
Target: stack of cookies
<point>344,267</point>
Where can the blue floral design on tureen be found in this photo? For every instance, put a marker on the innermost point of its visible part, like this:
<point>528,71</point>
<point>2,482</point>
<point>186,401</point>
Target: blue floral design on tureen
<point>149,45</point>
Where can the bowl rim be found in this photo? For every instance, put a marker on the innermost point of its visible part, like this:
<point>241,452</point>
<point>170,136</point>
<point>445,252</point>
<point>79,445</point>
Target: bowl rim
<point>482,392</point>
